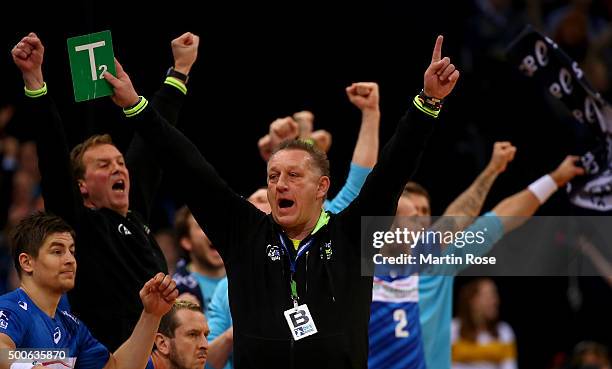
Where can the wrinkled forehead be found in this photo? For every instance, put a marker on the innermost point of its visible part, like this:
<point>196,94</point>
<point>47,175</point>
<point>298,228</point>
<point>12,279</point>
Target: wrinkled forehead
<point>189,320</point>
<point>290,159</point>
<point>59,239</point>
<point>416,200</point>
<point>101,152</point>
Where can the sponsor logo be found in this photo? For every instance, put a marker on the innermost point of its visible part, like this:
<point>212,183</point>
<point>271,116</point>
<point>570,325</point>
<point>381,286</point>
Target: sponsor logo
<point>326,251</point>
<point>74,319</point>
<point>57,335</point>
<point>123,230</point>
<point>273,252</point>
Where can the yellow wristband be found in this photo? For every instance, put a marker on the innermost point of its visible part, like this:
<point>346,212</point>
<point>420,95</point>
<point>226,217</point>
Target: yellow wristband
<point>142,104</point>
<point>419,104</point>
<point>175,82</point>
<point>36,93</point>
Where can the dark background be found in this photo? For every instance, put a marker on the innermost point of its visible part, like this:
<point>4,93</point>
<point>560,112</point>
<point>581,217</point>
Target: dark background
<point>259,61</point>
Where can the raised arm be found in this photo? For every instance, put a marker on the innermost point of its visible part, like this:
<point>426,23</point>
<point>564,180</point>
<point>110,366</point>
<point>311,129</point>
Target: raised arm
<point>157,296</point>
<point>516,209</point>
<point>401,155</point>
<point>205,193</point>
<point>469,204</point>
<point>145,172</point>
<point>365,96</point>
<point>59,190</point>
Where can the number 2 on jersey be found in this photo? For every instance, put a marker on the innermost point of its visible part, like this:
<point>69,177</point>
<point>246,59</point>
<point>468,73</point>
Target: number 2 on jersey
<point>399,316</point>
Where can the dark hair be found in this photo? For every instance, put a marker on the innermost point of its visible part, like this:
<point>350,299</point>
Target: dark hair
<point>319,158</point>
<point>468,329</point>
<point>76,155</point>
<point>169,323</point>
<point>413,188</point>
<point>30,234</point>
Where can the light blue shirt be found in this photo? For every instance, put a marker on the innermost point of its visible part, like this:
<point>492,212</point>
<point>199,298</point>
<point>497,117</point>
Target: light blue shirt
<point>436,296</point>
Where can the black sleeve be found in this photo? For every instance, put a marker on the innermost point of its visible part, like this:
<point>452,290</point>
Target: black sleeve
<point>145,173</point>
<point>398,163</point>
<point>223,215</point>
<point>60,191</point>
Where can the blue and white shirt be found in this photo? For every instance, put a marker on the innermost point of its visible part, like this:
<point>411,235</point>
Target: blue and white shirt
<point>30,327</point>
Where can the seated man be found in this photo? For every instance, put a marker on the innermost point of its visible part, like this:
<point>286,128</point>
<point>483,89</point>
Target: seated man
<point>180,342</point>
<point>42,247</point>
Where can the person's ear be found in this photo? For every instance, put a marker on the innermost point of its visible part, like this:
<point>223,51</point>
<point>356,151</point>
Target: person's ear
<point>25,262</point>
<point>324,183</point>
<point>186,244</point>
<point>162,344</point>
<point>83,188</point>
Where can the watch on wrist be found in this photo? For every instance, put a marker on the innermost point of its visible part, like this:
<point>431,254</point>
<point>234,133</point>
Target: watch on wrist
<point>178,75</point>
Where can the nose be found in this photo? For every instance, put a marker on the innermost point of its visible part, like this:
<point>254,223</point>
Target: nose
<point>281,185</point>
<point>204,343</point>
<point>70,259</point>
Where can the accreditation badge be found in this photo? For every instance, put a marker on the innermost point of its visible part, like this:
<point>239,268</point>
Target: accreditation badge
<point>300,322</point>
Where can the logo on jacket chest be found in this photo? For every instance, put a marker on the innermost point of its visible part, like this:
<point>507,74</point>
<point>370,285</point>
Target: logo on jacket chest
<point>326,251</point>
<point>273,252</point>
<point>57,335</point>
<point>123,230</point>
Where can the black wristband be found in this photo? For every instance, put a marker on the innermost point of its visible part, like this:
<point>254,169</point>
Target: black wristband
<point>430,102</point>
<point>178,75</point>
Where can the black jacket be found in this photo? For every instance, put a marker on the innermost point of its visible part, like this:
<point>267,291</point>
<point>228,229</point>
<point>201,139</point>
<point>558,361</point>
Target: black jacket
<point>115,255</point>
<point>337,295</point>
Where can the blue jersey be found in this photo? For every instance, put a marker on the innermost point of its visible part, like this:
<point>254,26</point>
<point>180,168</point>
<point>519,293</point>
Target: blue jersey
<point>395,331</point>
<point>428,310</point>
<point>30,327</point>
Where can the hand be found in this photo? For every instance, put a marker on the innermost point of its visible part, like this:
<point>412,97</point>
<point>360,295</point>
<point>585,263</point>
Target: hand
<point>305,120</point>
<point>124,94</point>
<point>185,51</point>
<point>158,294</point>
<point>322,139</point>
<point>364,95</point>
<point>503,153</point>
<point>283,129</point>
<point>441,76</point>
<point>28,57</point>
<point>265,147</point>
<point>567,170</point>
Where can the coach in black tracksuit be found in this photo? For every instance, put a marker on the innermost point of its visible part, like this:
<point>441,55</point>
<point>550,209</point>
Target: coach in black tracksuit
<point>258,249</point>
<point>115,250</point>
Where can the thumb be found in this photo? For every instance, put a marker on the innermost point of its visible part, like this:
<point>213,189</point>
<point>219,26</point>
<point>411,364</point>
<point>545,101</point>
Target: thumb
<point>111,79</point>
<point>436,66</point>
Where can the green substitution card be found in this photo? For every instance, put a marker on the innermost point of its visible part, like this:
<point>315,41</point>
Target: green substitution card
<point>90,56</point>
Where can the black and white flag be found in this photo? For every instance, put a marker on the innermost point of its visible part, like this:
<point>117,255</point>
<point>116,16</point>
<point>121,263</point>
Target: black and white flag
<point>540,58</point>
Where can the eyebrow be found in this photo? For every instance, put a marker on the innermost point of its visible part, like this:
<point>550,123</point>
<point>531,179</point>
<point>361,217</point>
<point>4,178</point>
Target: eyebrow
<point>57,243</point>
<point>108,159</point>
